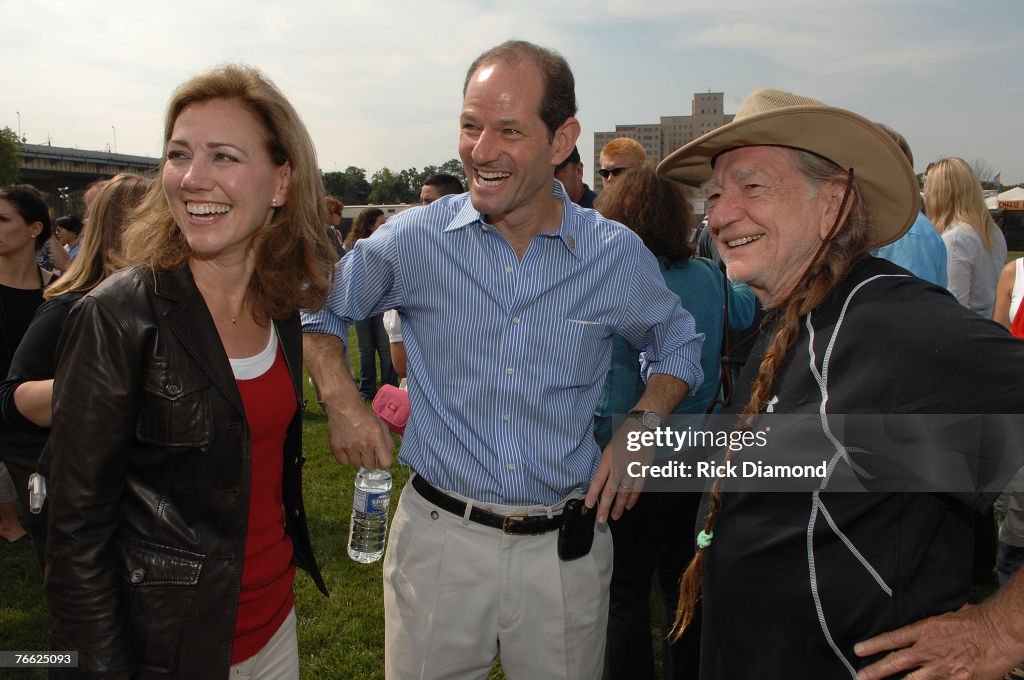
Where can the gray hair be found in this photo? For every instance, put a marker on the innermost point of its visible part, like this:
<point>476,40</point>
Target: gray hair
<point>857,232</point>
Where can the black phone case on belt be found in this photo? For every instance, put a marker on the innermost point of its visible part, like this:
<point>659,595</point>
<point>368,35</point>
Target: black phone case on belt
<point>576,534</point>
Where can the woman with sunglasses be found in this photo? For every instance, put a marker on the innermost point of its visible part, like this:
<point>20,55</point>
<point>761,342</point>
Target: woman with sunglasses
<point>618,156</point>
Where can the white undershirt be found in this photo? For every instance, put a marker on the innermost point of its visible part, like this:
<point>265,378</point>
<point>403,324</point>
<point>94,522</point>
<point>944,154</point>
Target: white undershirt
<point>253,367</point>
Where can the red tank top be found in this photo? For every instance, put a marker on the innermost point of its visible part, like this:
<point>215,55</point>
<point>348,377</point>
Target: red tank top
<point>267,574</point>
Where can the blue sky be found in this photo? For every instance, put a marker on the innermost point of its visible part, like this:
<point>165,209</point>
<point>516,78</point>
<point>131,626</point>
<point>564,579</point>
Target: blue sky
<point>379,83</point>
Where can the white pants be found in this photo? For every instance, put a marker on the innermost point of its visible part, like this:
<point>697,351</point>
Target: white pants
<point>455,590</point>
<point>278,660</point>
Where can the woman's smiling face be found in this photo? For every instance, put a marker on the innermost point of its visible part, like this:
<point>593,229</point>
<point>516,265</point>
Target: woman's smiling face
<point>219,179</point>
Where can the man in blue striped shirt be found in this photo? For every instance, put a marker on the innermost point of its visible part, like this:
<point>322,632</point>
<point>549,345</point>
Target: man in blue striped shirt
<point>509,298</point>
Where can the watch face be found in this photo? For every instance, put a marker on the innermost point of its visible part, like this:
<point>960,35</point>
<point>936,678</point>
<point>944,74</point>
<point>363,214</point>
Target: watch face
<point>651,420</point>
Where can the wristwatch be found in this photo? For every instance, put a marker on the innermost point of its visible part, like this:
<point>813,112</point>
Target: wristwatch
<point>651,420</point>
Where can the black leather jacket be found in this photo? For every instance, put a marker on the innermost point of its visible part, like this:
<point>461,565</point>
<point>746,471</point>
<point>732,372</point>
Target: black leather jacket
<point>149,489</point>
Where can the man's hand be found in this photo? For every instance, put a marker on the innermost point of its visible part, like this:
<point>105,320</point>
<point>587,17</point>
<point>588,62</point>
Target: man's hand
<point>357,436</point>
<point>965,645</point>
<point>613,490</point>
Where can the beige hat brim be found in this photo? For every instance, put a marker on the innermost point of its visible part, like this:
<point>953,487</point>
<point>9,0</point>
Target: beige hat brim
<point>881,170</point>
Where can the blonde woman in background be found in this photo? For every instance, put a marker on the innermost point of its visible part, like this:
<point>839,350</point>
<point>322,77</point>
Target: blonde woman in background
<point>975,247</point>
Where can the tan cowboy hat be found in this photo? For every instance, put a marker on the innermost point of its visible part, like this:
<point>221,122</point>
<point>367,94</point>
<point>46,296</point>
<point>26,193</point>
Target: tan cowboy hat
<point>772,117</point>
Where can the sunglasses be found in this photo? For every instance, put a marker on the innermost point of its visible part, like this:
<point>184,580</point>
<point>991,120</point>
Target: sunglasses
<point>605,172</point>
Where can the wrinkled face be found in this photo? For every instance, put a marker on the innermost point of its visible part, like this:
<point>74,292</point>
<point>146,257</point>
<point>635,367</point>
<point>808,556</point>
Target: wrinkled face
<point>571,176</point>
<point>429,194</point>
<point>219,179</point>
<point>504,144</point>
<point>766,218</point>
<point>16,235</point>
<point>612,165</point>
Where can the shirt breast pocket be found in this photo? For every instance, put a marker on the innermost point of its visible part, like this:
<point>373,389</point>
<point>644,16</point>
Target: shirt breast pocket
<point>582,344</point>
<point>175,410</point>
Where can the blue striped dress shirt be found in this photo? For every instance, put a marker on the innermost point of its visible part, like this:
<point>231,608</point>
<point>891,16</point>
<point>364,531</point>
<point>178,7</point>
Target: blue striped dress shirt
<point>507,358</point>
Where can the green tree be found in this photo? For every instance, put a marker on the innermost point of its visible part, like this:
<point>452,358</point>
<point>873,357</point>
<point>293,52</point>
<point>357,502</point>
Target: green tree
<point>411,180</point>
<point>350,186</point>
<point>386,187</point>
<point>424,174</point>
<point>10,156</point>
<point>454,167</point>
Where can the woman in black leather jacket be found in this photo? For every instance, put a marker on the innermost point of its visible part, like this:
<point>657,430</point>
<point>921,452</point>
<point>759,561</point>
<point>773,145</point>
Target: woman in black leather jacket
<point>176,516</point>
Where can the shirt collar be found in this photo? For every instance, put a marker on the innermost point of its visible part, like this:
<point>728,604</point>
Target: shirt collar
<point>468,215</point>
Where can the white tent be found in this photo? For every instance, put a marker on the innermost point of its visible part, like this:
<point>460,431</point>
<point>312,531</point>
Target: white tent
<point>1012,199</point>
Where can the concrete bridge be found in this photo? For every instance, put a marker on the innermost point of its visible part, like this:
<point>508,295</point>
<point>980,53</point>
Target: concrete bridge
<point>63,174</point>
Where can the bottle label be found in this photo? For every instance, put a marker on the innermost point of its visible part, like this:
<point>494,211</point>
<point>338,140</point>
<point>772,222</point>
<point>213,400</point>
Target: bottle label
<point>370,503</point>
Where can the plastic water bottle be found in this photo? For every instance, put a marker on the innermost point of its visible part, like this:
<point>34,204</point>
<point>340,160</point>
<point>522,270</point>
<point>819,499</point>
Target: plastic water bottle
<point>368,528</point>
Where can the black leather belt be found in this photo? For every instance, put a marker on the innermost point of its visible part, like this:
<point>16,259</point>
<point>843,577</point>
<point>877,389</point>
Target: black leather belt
<point>510,524</point>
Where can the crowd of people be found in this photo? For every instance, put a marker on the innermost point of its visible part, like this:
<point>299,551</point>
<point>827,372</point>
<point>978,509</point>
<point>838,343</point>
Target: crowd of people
<point>152,406</point>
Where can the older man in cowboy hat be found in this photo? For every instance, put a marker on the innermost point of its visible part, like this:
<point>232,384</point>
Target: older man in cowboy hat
<point>799,193</point>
